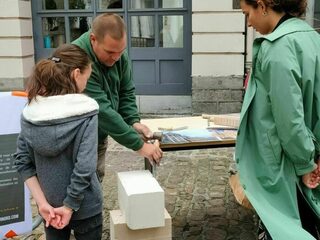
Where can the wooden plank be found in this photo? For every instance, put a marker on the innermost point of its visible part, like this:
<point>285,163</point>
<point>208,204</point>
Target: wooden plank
<point>177,122</point>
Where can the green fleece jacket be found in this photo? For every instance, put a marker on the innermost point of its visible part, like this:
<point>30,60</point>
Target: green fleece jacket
<point>113,89</point>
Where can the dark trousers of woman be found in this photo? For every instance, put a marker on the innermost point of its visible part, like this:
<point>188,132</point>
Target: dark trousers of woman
<point>309,220</point>
<point>85,229</point>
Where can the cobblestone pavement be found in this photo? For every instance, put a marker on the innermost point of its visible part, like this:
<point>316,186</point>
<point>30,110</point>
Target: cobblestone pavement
<point>197,194</point>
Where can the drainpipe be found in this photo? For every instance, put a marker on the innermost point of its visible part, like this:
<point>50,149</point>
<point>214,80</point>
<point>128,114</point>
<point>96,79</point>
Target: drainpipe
<point>310,12</point>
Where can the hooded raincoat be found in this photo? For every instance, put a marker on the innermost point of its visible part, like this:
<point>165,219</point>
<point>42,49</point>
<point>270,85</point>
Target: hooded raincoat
<point>280,127</point>
<point>58,144</point>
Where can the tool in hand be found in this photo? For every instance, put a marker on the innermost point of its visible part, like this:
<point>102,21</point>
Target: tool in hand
<point>155,136</point>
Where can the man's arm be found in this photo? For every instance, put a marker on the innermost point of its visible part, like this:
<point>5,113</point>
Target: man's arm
<point>110,121</point>
<point>127,99</point>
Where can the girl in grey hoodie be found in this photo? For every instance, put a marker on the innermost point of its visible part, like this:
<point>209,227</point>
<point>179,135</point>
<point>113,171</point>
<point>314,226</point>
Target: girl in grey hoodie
<point>57,146</point>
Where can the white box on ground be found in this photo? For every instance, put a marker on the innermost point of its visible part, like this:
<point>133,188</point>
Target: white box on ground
<point>141,199</point>
<point>120,231</point>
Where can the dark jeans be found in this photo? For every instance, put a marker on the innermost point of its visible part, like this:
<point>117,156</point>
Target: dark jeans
<point>102,154</point>
<point>85,229</point>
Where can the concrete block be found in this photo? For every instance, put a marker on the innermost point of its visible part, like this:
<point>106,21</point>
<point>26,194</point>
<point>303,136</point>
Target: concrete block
<point>215,83</point>
<point>229,107</point>
<point>220,22</point>
<point>120,231</point>
<point>15,27</point>
<point>16,47</point>
<point>232,120</point>
<point>9,84</point>
<point>16,67</point>
<point>141,199</point>
<point>218,43</point>
<point>211,5</point>
<point>204,107</point>
<point>15,8</point>
<point>217,65</point>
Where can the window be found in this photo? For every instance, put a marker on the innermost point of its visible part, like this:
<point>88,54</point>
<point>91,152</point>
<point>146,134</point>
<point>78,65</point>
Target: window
<point>57,28</point>
<point>63,21</point>
<point>110,4</point>
<point>143,28</point>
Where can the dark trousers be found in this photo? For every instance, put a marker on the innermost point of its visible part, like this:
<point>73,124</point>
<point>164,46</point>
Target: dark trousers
<point>85,229</point>
<point>309,220</point>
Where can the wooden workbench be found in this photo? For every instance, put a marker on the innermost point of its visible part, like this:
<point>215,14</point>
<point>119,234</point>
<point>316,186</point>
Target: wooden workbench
<point>181,124</point>
<point>185,125</point>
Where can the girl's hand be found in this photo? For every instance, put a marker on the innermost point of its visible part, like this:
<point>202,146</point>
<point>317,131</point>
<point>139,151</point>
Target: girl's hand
<point>65,214</point>
<point>47,212</point>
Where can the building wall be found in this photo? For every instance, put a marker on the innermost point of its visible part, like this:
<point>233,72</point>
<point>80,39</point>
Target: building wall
<point>218,46</point>
<point>16,44</point>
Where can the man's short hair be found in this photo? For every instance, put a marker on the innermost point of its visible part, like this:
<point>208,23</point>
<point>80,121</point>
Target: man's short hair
<point>108,24</point>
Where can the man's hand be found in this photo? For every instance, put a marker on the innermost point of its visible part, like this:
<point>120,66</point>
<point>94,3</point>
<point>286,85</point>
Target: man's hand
<point>143,130</point>
<point>152,152</point>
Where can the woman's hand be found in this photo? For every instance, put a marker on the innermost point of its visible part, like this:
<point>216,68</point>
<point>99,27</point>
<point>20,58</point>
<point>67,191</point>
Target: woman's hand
<point>312,179</point>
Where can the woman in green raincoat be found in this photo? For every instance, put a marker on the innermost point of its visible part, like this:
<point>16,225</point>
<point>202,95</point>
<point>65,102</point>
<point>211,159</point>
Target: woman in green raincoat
<point>277,143</point>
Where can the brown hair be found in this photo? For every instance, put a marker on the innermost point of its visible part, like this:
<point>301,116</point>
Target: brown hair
<point>53,76</point>
<point>108,24</point>
<point>295,8</point>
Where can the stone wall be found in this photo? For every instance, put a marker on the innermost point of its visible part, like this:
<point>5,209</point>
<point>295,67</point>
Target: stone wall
<point>218,56</point>
<point>217,94</point>
<point>16,44</point>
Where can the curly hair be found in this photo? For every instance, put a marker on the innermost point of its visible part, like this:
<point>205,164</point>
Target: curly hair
<point>295,8</point>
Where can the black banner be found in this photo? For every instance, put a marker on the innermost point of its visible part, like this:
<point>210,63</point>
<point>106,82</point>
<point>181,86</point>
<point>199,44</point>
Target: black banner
<point>11,184</point>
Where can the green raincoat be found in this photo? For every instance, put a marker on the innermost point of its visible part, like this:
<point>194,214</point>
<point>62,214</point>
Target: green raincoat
<point>280,126</point>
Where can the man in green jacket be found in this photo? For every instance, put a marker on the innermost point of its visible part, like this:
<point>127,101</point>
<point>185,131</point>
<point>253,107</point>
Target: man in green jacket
<point>111,85</point>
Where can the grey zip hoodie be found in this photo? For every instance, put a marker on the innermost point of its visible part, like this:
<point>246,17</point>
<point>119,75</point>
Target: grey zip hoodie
<point>58,144</point>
